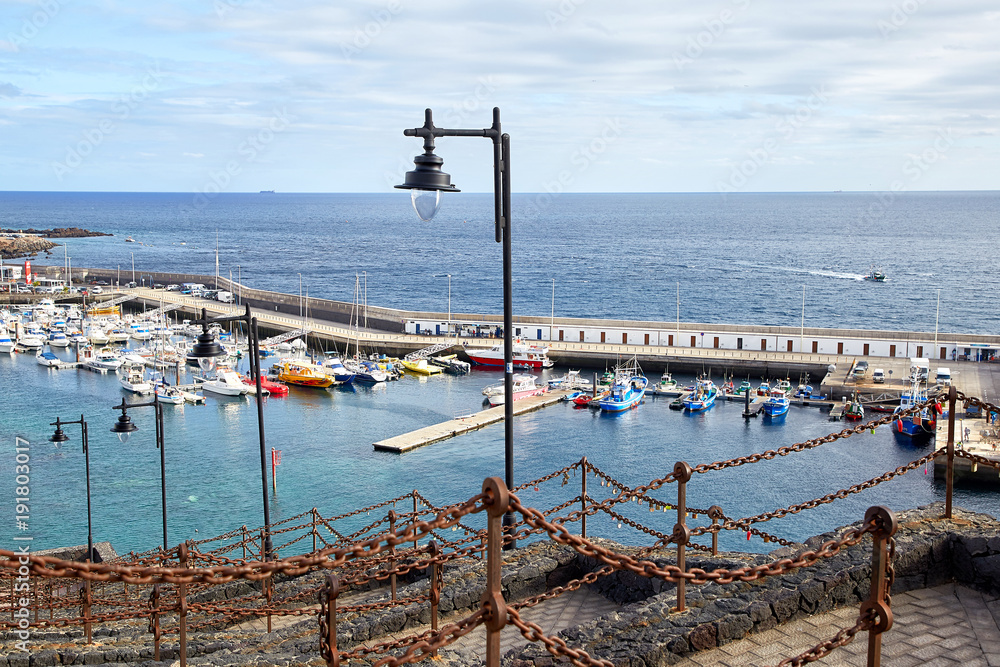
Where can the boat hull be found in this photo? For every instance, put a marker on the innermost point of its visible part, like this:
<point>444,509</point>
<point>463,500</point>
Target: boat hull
<point>497,362</point>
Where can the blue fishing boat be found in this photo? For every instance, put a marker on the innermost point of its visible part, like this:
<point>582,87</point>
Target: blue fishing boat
<point>627,389</point>
<point>776,404</point>
<point>919,423</point>
<point>702,398</point>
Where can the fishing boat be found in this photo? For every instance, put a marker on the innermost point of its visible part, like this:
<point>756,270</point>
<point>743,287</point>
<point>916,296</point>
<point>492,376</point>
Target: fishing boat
<point>703,396</point>
<point>225,383</point>
<point>854,410</point>
<point>48,359</point>
<point>132,377</point>
<point>303,374</point>
<point>523,356</point>
<point>421,367</point>
<point>917,423</point>
<point>875,274</point>
<point>666,385</point>
<point>586,399</point>
<point>571,380</point>
<point>764,388</point>
<point>784,386</point>
<point>523,387</point>
<point>628,388</point>
<point>776,404</point>
<point>744,387</point>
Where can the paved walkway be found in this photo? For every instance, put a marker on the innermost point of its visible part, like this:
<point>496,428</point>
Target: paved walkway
<point>946,625</point>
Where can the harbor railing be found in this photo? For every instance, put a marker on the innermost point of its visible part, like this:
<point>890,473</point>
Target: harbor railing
<point>171,592</point>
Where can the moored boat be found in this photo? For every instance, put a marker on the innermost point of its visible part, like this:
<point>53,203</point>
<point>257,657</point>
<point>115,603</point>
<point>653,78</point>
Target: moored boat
<point>48,359</point>
<point>776,404</point>
<point>6,343</point>
<point>272,387</point>
<point>421,367</point>
<point>303,374</point>
<point>854,410</point>
<point>225,383</point>
<point>523,386</point>
<point>522,355</point>
<point>627,389</point>
<point>703,396</point>
<point>918,422</point>
<point>132,377</point>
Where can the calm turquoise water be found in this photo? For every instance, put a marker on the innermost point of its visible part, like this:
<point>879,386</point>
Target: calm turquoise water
<point>743,258</point>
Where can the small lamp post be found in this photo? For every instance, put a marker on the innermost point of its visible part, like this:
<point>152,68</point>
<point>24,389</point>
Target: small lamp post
<point>60,437</point>
<point>207,350</point>
<point>124,428</point>
<point>426,183</point>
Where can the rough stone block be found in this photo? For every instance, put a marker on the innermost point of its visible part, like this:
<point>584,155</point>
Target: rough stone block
<point>732,627</point>
<point>704,636</point>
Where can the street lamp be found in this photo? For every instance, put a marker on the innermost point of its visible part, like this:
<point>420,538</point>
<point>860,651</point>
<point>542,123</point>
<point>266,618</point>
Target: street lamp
<point>60,437</point>
<point>124,427</point>
<point>426,183</point>
<point>207,350</point>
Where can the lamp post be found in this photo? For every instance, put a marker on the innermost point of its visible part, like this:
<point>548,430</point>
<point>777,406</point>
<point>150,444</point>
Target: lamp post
<point>60,437</point>
<point>124,427</point>
<point>207,350</point>
<point>426,183</point>
<point>449,304</point>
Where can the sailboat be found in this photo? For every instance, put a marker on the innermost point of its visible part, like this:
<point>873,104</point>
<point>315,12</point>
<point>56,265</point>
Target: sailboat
<point>367,372</point>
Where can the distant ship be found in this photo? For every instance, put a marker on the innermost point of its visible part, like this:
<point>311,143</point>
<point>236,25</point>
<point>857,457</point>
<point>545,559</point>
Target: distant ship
<point>267,192</point>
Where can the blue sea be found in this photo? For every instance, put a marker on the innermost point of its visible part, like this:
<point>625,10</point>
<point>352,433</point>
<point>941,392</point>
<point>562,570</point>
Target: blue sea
<point>742,258</point>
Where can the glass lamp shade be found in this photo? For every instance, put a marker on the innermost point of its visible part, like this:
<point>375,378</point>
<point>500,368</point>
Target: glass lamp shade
<point>208,364</point>
<point>426,203</point>
<point>124,427</point>
<point>124,436</point>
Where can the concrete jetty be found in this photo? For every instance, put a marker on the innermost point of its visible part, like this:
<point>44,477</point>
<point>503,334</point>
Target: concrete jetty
<point>465,424</point>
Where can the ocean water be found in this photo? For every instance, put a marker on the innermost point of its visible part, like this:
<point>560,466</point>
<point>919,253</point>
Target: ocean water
<point>740,259</point>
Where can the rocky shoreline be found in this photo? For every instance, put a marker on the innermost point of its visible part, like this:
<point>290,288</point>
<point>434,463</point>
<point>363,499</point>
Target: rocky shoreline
<point>30,242</point>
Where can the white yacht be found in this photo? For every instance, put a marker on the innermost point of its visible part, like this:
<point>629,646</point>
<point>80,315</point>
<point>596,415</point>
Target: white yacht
<point>133,378</point>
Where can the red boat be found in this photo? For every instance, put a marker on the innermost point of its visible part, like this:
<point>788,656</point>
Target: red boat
<point>523,356</point>
<point>274,388</point>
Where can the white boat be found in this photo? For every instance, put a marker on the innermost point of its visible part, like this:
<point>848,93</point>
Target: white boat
<point>524,386</point>
<point>117,335</point>
<point>58,339</point>
<point>6,343</point>
<point>48,359</point>
<point>225,383</point>
<point>133,378</point>
<point>101,360</point>
<point>31,339</point>
<point>140,332</point>
<point>572,380</point>
<point>97,335</point>
<point>168,394</point>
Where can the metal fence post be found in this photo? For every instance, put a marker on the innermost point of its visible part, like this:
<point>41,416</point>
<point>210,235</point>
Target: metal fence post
<point>182,557</point>
<point>493,596</point>
<point>314,528</point>
<point>950,472</point>
<point>435,591</point>
<point>154,620</point>
<point>392,552</point>
<point>328,621</point>
<point>87,625</point>
<point>415,519</point>
<point>878,599</point>
<point>266,584</point>
<point>682,534</point>
<point>583,498</point>
<point>715,514</point>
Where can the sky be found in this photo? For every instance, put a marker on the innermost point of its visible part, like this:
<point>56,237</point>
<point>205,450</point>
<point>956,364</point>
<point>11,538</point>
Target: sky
<point>629,96</point>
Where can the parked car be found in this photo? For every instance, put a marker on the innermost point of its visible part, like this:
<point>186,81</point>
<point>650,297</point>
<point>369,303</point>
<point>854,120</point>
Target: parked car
<point>96,289</point>
<point>157,285</point>
<point>133,284</point>
<point>878,376</point>
<point>860,369</point>
<point>173,288</point>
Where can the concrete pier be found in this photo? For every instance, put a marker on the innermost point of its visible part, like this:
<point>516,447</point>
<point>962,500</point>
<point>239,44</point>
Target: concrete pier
<point>459,425</point>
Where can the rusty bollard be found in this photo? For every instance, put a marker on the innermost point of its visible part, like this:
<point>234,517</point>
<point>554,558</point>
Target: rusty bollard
<point>392,552</point>
<point>878,600</point>
<point>266,585</point>
<point>86,599</point>
<point>492,598</point>
<point>182,558</point>
<point>328,621</point>
<point>715,514</point>
<point>682,534</point>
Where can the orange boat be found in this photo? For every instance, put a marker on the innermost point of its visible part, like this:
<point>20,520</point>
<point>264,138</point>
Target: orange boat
<point>302,373</point>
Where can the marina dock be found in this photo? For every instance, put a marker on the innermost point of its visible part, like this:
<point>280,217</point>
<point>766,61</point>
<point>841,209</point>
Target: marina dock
<point>465,424</point>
